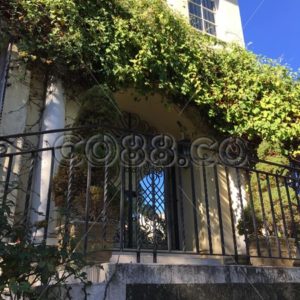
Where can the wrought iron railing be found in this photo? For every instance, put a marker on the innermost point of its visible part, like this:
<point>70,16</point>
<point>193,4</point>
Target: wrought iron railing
<point>114,189</point>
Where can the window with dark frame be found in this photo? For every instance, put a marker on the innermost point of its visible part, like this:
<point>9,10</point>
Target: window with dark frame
<point>202,15</point>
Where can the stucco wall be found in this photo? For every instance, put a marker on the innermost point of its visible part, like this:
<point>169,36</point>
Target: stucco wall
<point>16,97</point>
<point>180,6</point>
<point>167,119</point>
<point>228,21</point>
<point>14,121</point>
<point>227,18</point>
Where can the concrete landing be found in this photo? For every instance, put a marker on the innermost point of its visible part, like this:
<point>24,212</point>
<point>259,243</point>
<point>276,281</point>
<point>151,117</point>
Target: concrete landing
<point>190,282</point>
<point>225,291</point>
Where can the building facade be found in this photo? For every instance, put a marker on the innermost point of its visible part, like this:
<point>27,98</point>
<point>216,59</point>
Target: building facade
<point>160,212</point>
<point>220,18</point>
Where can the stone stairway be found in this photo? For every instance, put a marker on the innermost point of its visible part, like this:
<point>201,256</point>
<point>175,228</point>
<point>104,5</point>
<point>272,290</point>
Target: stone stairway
<point>189,282</point>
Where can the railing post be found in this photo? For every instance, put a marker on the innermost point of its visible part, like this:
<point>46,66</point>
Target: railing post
<point>169,211</point>
<point>105,193</point>
<point>7,179</point>
<point>154,216</point>
<point>69,200</point>
<point>253,213</point>
<point>122,221</point>
<point>283,217</point>
<point>263,213</point>
<point>196,232</point>
<point>216,177</point>
<point>129,200</point>
<point>290,204</point>
<point>87,208</point>
<point>207,208</point>
<point>181,209</point>
<point>231,215</point>
<point>48,205</point>
<point>28,193</point>
<point>273,215</point>
<point>239,183</point>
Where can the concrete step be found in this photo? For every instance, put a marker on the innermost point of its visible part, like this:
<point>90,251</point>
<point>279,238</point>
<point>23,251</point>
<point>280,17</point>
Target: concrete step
<point>133,281</point>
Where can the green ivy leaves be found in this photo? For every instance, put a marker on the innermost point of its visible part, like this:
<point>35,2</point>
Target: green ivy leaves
<point>145,45</point>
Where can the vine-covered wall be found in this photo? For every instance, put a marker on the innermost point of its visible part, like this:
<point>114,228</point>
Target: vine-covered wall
<point>145,45</point>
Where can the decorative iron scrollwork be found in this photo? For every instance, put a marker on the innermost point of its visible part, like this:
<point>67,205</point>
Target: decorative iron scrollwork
<point>163,150</point>
<point>102,150</point>
<point>151,223</point>
<point>203,151</point>
<point>133,151</point>
<point>233,152</point>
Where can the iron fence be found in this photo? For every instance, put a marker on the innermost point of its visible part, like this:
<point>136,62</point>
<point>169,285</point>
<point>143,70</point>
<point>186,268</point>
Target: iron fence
<point>117,189</point>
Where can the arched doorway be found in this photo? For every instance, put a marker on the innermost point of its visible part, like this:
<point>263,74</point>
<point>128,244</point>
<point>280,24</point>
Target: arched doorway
<point>148,192</point>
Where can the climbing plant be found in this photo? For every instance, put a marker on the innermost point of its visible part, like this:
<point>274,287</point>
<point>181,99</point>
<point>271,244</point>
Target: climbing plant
<point>145,45</point>
<point>273,207</point>
<point>103,112</point>
<point>98,109</point>
<point>32,270</point>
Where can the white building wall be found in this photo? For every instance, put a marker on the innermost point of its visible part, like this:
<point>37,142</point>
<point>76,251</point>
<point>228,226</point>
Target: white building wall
<point>13,121</point>
<point>16,97</point>
<point>180,6</point>
<point>227,17</point>
<point>228,21</point>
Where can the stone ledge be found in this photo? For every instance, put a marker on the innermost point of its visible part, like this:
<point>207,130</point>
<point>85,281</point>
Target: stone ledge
<point>128,281</point>
<point>168,274</point>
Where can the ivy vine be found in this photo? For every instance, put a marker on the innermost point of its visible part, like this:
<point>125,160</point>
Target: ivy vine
<point>145,45</point>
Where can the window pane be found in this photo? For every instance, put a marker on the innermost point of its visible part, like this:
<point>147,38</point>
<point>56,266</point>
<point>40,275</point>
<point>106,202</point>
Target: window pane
<point>200,11</point>
<point>208,4</point>
<point>208,15</point>
<point>210,28</point>
<point>194,9</point>
<point>197,1</point>
<point>196,22</point>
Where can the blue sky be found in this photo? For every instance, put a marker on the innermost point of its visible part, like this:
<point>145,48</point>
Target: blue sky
<point>272,28</point>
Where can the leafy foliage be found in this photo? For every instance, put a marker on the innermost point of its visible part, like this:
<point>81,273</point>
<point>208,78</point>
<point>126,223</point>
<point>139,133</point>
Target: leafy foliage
<point>274,198</point>
<point>145,45</point>
<point>104,112</point>
<point>31,270</point>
